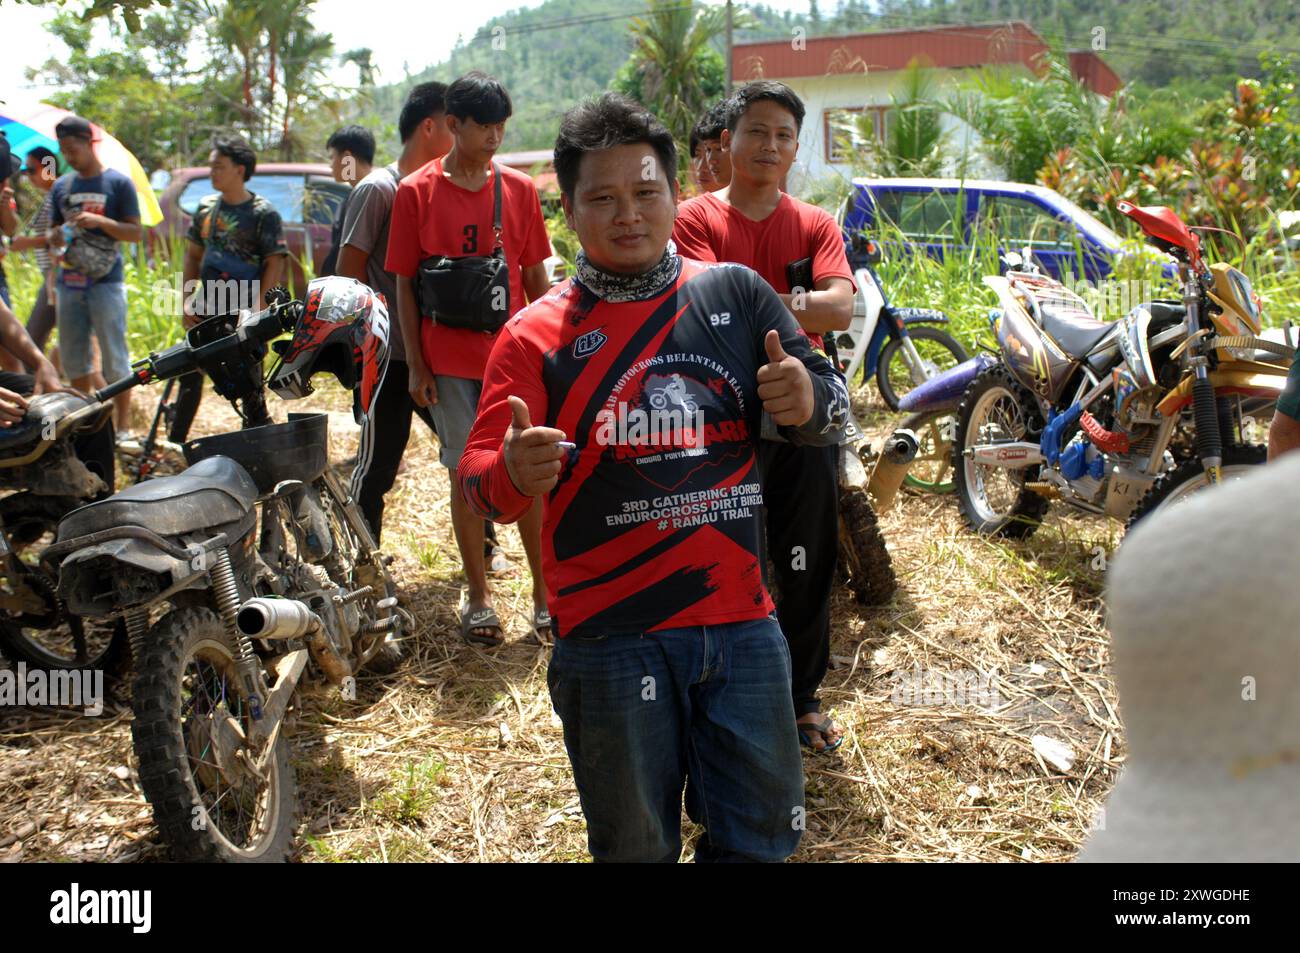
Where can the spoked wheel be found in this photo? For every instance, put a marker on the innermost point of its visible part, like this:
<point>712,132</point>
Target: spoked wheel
<point>939,351</point>
<point>863,554</point>
<point>352,566</point>
<point>34,628</point>
<point>931,469</point>
<point>994,499</point>
<point>214,796</point>
<point>1188,478</point>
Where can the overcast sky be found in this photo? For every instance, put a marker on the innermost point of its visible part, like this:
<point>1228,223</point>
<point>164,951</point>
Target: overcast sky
<point>385,26</point>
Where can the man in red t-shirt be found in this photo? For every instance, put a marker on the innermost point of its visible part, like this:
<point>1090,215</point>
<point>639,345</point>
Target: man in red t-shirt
<point>797,248</point>
<point>445,208</point>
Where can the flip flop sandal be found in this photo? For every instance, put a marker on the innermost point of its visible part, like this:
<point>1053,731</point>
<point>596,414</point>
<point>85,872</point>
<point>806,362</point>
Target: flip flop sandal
<point>480,619</point>
<point>822,726</point>
<point>542,620</point>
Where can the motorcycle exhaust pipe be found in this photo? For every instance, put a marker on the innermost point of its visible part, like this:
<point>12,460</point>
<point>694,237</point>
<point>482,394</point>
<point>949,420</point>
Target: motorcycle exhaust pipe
<point>891,468</point>
<point>276,619</point>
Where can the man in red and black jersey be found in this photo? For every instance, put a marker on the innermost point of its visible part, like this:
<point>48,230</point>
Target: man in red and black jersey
<point>629,399</point>
<point>798,250</point>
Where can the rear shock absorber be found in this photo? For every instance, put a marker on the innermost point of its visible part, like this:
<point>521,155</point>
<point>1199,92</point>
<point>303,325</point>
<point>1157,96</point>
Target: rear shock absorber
<point>226,593</point>
<point>137,624</point>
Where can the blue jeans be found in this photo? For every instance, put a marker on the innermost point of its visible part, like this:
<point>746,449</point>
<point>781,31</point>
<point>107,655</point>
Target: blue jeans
<point>706,707</point>
<point>101,308</point>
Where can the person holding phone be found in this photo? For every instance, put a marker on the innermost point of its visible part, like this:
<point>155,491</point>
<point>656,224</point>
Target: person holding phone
<point>797,249</point>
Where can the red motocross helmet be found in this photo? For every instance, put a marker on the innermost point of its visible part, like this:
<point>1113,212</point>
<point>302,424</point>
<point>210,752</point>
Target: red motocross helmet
<point>344,331</point>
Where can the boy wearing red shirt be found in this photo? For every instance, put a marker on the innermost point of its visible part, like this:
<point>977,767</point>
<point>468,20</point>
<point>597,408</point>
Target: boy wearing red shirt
<point>797,248</point>
<point>445,208</point>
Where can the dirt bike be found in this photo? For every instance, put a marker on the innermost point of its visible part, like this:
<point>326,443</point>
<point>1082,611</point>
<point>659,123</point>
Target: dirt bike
<point>39,462</point>
<point>901,347</point>
<point>1122,418</point>
<point>231,577</point>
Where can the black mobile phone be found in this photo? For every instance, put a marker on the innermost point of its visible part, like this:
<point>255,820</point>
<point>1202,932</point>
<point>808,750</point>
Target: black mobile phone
<point>799,274</point>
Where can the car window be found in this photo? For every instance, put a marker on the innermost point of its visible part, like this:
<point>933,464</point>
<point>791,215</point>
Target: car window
<point>930,216</point>
<point>322,201</point>
<point>283,191</point>
<point>1018,221</point>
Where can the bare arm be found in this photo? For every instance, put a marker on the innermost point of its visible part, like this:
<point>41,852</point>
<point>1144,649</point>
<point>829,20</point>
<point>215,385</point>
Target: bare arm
<point>127,230</point>
<point>8,217</point>
<point>352,263</point>
<point>423,388</point>
<point>828,307</point>
<point>189,278</point>
<point>15,339</point>
<point>1283,435</point>
<point>535,283</point>
<point>272,274</point>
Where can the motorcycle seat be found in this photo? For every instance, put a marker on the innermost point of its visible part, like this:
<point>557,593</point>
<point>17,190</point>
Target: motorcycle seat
<point>1076,334</point>
<point>213,492</point>
<point>45,407</point>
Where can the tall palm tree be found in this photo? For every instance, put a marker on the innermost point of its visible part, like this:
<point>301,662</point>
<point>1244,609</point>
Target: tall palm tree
<point>305,53</point>
<point>671,39</point>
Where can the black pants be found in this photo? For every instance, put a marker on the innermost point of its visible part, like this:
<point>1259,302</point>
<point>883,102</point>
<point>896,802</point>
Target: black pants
<point>94,449</point>
<point>383,441</point>
<point>801,504</point>
<point>189,392</point>
<point>384,435</point>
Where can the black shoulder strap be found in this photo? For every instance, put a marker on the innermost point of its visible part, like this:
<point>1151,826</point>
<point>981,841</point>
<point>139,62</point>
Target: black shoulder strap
<point>496,205</point>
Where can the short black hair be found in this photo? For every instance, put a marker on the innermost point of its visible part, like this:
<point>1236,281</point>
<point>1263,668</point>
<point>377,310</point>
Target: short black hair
<point>40,154</point>
<point>354,139</point>
<point>423,101</point>
<point>238,151</point>
<point>759,90</point>
<point>480,97</point>
<point>603,123</point>
<point>710,125</point>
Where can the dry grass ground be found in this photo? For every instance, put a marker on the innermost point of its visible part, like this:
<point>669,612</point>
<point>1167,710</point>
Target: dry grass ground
<point>459,756</point>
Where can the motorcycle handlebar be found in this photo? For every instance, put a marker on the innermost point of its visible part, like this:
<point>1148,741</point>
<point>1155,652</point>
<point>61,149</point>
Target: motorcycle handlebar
<point>280,316</point>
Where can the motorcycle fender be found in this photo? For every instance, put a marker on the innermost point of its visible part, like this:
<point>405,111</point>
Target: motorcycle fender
<point>1247,378</point>
<point>80,575</point>
<point>921,316</point>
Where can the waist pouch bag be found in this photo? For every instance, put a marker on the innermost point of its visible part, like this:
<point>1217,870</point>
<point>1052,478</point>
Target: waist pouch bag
<point>472,292</point>
<point>91,255</point>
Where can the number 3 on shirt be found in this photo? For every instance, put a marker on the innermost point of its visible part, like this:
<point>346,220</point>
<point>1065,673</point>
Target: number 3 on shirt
<point>471,239</point>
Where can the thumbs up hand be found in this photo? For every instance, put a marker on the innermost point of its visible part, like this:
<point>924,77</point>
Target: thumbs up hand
<point>533,457</point>
<point>784,385</point>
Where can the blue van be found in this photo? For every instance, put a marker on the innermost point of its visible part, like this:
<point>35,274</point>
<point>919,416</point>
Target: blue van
<point>943,215</point>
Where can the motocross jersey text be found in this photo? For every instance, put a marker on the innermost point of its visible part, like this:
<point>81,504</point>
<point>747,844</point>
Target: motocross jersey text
<point>655,520</point>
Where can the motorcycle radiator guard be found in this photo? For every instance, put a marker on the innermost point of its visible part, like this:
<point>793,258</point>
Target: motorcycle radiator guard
<point>944,391</point>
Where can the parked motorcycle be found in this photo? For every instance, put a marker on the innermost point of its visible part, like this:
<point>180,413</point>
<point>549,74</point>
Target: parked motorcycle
<point>40,464</point>
<point>901,347</point>
<point>234,574</point>
<point>1120,418</point>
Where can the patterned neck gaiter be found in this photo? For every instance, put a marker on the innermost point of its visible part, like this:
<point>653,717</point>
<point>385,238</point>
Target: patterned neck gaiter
<point>612,287</point>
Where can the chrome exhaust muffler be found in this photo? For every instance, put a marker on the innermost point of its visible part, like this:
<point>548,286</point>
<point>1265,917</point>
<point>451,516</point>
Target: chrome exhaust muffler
<point>261,618</point>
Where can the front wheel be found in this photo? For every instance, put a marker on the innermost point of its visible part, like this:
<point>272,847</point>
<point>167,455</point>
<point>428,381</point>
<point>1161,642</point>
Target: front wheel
<point>938,351</point>
<point>995,500</point>
<point>863,554</point>
<point>1188,478</point>
<point>214,796</point>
